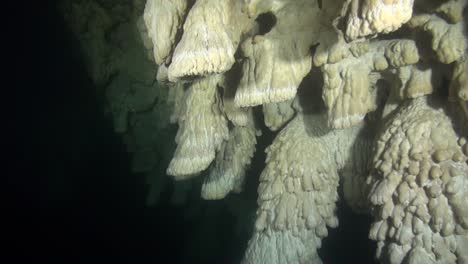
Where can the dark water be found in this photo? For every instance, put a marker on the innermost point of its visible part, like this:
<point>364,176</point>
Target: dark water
<point>74,199</point>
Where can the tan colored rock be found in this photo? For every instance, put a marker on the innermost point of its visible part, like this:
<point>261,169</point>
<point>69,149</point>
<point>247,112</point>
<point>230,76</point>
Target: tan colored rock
<point>459,84</point>
<point>276,115</point>
<point>431,209</point>
<point>161,75</point>
<point>370,17</point>
<point>416,80</point>
<point>212,32</point>
<point>232,160</point>
<point>349,83</point>
<point>275,63</point>
<point>296,196</point>
<point>448,41</point>
<point>202,129</point>
<point>239,116</point>
<point>452,10</point>
<point>164,19</point>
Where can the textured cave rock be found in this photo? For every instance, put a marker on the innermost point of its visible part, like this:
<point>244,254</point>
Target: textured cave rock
<point>369,17</point>
<point>212,32</point>
<point>418,187</point>
<point>386,80</point>
<point>275,63</point>
<point>417,80</point>
<point>202,129</point>
<point>228,172</point>
<point>276,115</point>
<point>239,116</point>
<point>296,196</point>
<point>349,83</point>
<point>459,86</point>
<point>163,20</point>
<point>448,41</point>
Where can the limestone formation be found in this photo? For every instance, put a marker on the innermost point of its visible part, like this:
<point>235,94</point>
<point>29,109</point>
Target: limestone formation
<point>369,94</point>
<point>418,187</point>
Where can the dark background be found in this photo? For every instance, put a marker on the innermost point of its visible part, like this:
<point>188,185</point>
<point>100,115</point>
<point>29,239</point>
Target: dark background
<point>70,196</point>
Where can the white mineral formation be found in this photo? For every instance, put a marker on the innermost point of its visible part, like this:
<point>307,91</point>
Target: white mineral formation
<point>212,33</point>
<point>239,116</point>
<point>349,76</point>
<point>416,81</point>
<point>459,85</point>
<point>369,17</point>
<point>419,184</point>
<point>228,172</point>
<point>275,63</point>
<point>448,40</point>
<point>367,68</point>
<point>202,129</point>
<point>164,19</point>
<point>276,115</point>
<point>296,196</point>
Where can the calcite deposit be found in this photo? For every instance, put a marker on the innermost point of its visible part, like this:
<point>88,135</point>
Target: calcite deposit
<point>365,95</point>
<point>394,71</point>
